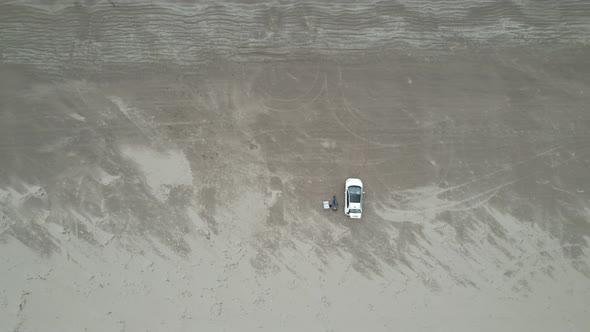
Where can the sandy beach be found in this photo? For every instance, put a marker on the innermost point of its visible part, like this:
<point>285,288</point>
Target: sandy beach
<point>163,165</point>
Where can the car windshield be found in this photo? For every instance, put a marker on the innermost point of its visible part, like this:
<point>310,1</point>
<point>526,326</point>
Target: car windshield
<point>355,211</point>
<point>355,194</point>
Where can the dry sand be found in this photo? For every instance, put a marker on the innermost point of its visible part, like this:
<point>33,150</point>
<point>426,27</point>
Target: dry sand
<point>162,165</point>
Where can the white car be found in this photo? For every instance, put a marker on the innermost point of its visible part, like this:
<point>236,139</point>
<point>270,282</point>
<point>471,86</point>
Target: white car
<point>353,198</point>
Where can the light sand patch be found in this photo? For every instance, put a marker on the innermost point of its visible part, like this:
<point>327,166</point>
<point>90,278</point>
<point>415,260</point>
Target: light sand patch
<point>77,117</point>
<point>105,178</point>
<point>162,170</point>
